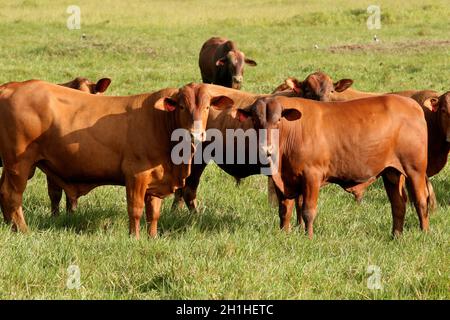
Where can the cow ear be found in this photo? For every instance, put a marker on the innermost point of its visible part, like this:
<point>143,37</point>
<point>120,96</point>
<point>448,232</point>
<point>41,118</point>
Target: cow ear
<point>166,104</point>
<point>242,115</point>
<point>291,114</point>
<point>221,61</point>
<point>250,62</point>
<point>342,85</point>
<point>102,84</point>
<point>432,104</point>
<point>294,84</point>
<point>221,102</point>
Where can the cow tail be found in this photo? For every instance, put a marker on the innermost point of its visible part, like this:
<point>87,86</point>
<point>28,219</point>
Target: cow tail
<point>271,193</point>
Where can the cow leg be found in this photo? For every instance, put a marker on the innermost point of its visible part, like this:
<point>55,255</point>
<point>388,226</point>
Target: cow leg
<point>309,209</point>
<point>189,191</point>
<point>136,187</point>
<point>298,208</point>
<point>13,183</point>
<point>177,199</point>
<point>418,184</point>
<point>393,184</point>
<point>71,203</point>
<point>55,194</point>
<point>286,206</point>
<point>152,212</point>
<point>432,196</point>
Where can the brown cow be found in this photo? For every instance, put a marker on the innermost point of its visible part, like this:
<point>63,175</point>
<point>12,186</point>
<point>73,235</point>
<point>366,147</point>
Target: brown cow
<point>54,191</point>
<point>321,87</point>
<point>346,143</point>
<point>82,141</point>
<point>88,86</point>
<point>317,86</point>
<point>84,85</point>
<point>222,63</point>
<point>222,120</point>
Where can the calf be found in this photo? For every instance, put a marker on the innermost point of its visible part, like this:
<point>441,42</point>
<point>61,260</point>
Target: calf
<point>82,141</point>
<point>346,143</point>
<point>222,63</point>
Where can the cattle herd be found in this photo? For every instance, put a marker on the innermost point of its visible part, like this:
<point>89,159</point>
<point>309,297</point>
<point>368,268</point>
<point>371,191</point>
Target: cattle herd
<point>327,133</point>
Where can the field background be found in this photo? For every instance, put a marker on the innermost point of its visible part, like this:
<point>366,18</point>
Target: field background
<point>233,248</point>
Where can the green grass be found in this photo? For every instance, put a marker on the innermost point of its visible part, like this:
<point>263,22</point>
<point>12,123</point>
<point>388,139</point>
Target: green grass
<point>233,248</point>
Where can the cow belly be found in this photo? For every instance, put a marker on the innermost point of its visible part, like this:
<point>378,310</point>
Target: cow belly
<point>72,163</point>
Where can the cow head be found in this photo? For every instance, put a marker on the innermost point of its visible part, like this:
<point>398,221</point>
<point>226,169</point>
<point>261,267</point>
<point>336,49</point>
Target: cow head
<point>441,105</point>
<point>267,113</point>
<point>317,86</point>
<point>192,104</point>
<point>88,86</point>
<point>233,63</point>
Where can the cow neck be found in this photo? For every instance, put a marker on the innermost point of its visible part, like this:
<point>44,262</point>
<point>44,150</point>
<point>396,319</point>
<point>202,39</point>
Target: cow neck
<point>161,124</point>
<point>167,121</point>
<point>288,143</point>
<point>223,76</point>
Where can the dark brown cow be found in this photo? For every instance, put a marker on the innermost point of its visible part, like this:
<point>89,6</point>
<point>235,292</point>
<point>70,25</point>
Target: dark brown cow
<point>221,120</point>
<point>438,120</point>
<point>346,143</point>
<point>222,63</point>
<point>82,141</point>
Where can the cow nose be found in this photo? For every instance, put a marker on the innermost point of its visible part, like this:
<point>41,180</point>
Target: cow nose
<point>237,79</point>
<point>198,136</point>
<point>268,150</point>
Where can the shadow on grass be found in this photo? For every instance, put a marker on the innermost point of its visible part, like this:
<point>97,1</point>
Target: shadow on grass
<point>181,221</point>
<point>89,220</point>
<point>83,220</point>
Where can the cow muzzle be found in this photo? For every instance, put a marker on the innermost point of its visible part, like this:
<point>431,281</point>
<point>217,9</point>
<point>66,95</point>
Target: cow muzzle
<point>238,79</point>
<point>268,150</point>
<point>198,136</point>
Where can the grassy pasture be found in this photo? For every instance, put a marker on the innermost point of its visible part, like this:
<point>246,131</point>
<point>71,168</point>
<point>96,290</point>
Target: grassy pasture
<point>233,248</point>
